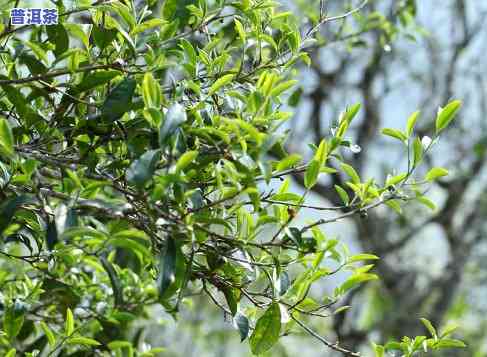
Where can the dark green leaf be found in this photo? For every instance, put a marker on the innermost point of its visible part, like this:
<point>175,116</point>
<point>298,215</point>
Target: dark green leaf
<point>167,269</point>
<point>8,208</point>
<point>241,323</point>
<point>176,115</point>
<point>119,100</point>
<point>51,235</point>
<point>94,79</point>
<point>58,36</point>
<point>143,168</point>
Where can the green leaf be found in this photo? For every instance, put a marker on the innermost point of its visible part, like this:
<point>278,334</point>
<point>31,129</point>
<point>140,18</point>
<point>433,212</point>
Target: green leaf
<point>343,195</point>
<point>435,173</point>
<point>8,208</point>
<point>417,152</point>
<point>220,82</point>
<point>11,353</point>
<point>51,235</point>
<point>79,340</point>
<point>176,115</point>
<point>6,138</point>
<point>356,279</point>
<point>450,343</point>
<point>119,100</point>
<point>282,87</point>
<point>267,330</point>
<point>311,174</point>
<point>351,113</point>
<point>350,171</point>
<point>241,323</point>
<point>147,25</point>
<point>288,162</point>
<point>411,123</point>
<point>322,152</point>
<point>151,91</point>
<point>426,202</point>
<point>167,269</point>
<point>102,37</point>
<point>286,197</point>
<point>176,10</point>
<point>429,327</point>
<point>447,114</point>
<point>362,257</point>
<point>448,330</point>
<point>397,134</point>
<point>38,51</point>
<point>13,319</point>
<point>58,36</point>
<point>396,179</point>
<point>142,170</point>
<point>49,334</point>
<point>186,159</point>
<point>231,299</point>
<point>95,79</point>
<point>240,29</point>
<point>379,350</point>
<point>69,323</point>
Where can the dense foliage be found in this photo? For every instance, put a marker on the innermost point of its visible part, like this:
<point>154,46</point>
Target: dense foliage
<point>143,162</point>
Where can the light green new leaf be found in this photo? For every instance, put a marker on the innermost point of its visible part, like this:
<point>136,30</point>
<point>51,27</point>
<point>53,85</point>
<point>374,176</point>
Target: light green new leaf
<point>69,324</point>
<point>350,171</point>
<point>394,133</point>
<point>411,122</point>
<point>429,327</point>
<point>447,114</point>
<point>356,279</point>
<point>79,340</point>
<point>151,91</point>
<point>288,162</point>
<point>51,339</point>
<point>6,138</point>
<point>343,195</point>
<point>450,343</point>
<point>186,159</point>
<point>435,173</point>
<point>219,83</point>
<point>322,152</point>
<point>417,152</point>
<point>240,29</point>
<point>282,87</point>
<point>267,330</point>
<point>362,257</point>
<point>311,174</point>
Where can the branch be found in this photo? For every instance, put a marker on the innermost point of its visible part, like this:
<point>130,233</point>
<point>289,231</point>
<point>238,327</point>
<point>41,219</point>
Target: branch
<point>333,346</point>
<point>60,72</point>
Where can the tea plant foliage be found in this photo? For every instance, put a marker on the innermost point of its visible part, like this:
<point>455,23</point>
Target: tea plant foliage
<point>143,161</point>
